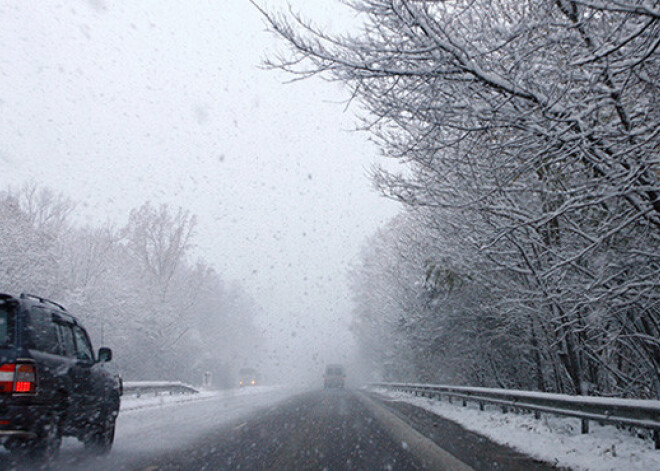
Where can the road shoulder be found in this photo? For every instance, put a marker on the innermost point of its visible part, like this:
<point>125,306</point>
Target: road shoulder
<point>432,456</point>
<point>473,449</point>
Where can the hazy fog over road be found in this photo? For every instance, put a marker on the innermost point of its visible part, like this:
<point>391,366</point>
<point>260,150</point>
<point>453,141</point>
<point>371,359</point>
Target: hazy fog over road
<point>118,103</point>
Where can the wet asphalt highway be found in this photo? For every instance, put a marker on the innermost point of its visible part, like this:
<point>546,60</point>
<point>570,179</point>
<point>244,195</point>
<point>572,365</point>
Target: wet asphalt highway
<point>319,430</point>
<point>315,431</point>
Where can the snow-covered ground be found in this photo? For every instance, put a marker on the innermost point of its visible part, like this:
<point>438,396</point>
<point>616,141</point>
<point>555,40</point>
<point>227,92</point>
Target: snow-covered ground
<point>130,403</point>
<point>158,423</point>
<point>552,439</point>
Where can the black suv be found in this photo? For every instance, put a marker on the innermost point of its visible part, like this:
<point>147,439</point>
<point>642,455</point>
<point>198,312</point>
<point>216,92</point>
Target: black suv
<point>51,384</point>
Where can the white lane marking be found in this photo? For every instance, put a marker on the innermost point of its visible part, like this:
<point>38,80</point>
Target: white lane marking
<point>427,451</point>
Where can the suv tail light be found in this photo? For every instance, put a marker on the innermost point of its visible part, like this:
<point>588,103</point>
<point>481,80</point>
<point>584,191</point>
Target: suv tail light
<point>18,378</point>
<point>26,379</point>
<point>7,378</point>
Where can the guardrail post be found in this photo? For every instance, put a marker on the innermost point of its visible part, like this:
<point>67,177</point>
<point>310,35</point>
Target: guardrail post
<point>449,399</point>
<point>656,438</point>
<point>481,405</point>
<point>464,403</point>
<point>585,426</point>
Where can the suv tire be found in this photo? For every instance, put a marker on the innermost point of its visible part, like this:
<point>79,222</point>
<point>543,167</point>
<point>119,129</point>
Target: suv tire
<point>101,439</point>
<point>47,446</point>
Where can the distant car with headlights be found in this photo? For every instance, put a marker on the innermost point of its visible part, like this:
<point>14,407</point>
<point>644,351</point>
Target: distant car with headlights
<point>247,377</point>
<point>51,382</point>
<point>334,376</point>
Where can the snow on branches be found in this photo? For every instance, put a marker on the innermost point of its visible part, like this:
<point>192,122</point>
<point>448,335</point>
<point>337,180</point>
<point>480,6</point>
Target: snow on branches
<point>532,129</point>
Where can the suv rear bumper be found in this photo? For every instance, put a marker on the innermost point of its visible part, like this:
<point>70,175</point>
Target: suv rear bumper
<point>21,421</point>
<point>21,434</point>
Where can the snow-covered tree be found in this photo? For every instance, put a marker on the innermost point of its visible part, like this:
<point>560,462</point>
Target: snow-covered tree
<point>134,288</point>
<point>531,128</point>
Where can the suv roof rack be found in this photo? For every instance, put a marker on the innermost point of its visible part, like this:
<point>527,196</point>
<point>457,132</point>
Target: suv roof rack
<point>42,300</point>
<point>6,298</point>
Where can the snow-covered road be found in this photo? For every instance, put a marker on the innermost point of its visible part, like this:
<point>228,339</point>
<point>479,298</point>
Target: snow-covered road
<point>163,423</point>
<point>150,426</point>
<point>286,428</point>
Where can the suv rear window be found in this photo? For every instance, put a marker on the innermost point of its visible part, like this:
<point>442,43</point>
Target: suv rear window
<point>6,325</point>
<point>43,331</point>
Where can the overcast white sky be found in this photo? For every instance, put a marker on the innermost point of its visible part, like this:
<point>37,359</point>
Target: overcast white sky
<point>116,103</point>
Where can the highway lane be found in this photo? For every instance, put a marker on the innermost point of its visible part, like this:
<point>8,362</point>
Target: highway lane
<point>284,430</point>
<point>322,430</point>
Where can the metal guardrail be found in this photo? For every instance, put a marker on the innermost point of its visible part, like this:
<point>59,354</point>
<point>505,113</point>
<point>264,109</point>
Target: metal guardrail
<point>157,388</point>
<point>632,412</point>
